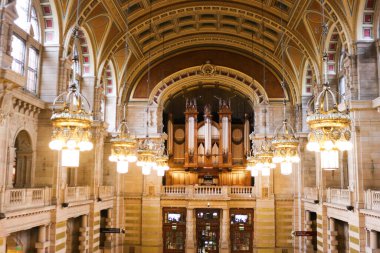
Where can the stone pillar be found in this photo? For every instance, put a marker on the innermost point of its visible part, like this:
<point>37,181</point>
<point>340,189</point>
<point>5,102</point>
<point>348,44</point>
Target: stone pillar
<point>11,163</point>
<point>84,235</point>
<point>225,245</point>
<point>190,244</point>
<point>308,227</point>
<point>42,243</point>
<point>332,242</point>
<point>373,239</point>
<point>108,242</point>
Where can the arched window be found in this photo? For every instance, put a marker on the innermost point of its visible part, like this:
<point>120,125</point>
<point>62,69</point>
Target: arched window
<point>27,18</point>
<point>23,166</point>
<point>26,44</point>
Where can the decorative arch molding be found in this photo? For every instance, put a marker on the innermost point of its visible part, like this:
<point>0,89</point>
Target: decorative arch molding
<point>203,75</point>
<point>86,52</point>
<point>274,63</point>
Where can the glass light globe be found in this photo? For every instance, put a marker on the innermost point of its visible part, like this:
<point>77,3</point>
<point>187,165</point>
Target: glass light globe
<point>330,159</point>
<point>254,173</point>
<point>112,158</point>
<point>70,157</point>
<point>349,145</point>
<point>122,167</point>
<point>328,145</point>
<point>312,146</point>
<point>286,168</point>
<point>166,167</point>
<point>56,144</point>
<point>265,171</point>
<point>131,158</point>
<point>85,145</point>
<point>295,159</point>
<point>140,163</point>
<point>277,159</point>
<point>71,144</point>
<point>146,170</point>
<point>160,172</point>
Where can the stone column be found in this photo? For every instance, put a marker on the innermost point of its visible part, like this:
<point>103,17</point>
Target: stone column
<point>373,239</point>
<point>332,242</point>
<point>108,242</point>
<point>190,244</point>
<point>42,243</point>
<point>225,245</point>
<point>11,163</point>
<point>84,235</point>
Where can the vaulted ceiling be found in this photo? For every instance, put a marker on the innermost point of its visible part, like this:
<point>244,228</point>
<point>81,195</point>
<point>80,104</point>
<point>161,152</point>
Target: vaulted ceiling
<point>163,30</point>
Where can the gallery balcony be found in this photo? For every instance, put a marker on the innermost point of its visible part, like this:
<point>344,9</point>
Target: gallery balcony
<point>207,192</point>
<point>372,200</point>
<point>340,197</point>
<point>25,198</point>
<point>310,194</point>
<point>76,194</point>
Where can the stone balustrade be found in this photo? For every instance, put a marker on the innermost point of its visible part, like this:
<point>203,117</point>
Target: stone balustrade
<point>105,191</point>
<point>77,193</point>
<point>372,200</point>
<point>17,199</point>
<point>310,193</point>
<point>338,196</point>
<point>209,192</point>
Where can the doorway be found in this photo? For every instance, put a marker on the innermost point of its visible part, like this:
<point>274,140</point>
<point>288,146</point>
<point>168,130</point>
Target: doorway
<point>208,230</point>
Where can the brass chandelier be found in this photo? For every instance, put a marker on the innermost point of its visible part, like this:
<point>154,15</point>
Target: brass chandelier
<point>123,149</point>
<point>329,127</point>
<point>264,156</point>
<point>285,146</point>
<point>71,120</point>
<point>147,153</point>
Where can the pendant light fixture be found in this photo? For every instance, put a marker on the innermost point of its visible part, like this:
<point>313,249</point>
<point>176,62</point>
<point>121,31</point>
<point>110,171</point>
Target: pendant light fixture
<point>123,150</point>
<point>71,119</point>
<point>329,127</point>
<point>264,153</point>
<point>147,150</point>
<point>284,142</point>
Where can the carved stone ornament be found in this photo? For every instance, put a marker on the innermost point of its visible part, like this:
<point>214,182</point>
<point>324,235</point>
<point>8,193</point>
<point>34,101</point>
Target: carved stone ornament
<point>208,69</point>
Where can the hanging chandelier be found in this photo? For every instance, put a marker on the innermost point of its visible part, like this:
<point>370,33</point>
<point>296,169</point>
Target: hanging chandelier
<point>71,122</point>
<point>329,129</point>
<point>147,153</point>
<point>285,146</point>
<point>264,155</point>
<point>162,159</point>
<point>123,150</point>
<point>252,165</point>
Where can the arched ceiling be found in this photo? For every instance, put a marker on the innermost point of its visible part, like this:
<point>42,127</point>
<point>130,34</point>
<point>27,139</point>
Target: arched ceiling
<point>159,30</point>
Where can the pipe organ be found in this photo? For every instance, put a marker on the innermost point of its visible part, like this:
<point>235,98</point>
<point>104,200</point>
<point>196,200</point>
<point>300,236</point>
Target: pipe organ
<point>213,149</point>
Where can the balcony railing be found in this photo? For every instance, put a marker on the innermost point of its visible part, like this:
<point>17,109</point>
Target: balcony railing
<point>372,200</point>
<point>77,193</point>
<point>338,196</point>
<point>209,192</point>
<point>310,193</point>
<point>105,191</point>
<point>16,199</point>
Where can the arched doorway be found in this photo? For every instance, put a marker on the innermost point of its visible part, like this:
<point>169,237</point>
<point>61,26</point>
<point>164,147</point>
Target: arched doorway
<point>22,169</point>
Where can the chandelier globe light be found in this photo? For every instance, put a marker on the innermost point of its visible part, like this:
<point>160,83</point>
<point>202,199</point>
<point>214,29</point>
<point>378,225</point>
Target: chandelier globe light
<point>123,149</point>
<point>329,129</point>
<point>162,159</point>
<point>71,120</point>
<point>285,145</point>
<point>147,153</point>
<point>264,157</point>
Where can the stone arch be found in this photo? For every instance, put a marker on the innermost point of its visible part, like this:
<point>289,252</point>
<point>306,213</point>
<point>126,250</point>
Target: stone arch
<point>23,163</point>
<point>50,24</point>
<point>206,74</point>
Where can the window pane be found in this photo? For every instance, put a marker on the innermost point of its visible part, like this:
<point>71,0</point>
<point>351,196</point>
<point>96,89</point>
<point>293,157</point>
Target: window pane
<point>18,54</point>
<point>31,84</point>
<point>22,7</point>
<point>34,22</point>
